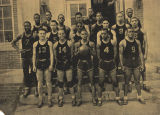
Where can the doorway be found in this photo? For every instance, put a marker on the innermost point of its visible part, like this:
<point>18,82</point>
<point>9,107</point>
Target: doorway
<point>108,11</point>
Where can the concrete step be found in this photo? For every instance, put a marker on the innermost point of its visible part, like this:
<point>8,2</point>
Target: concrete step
<point>86,97</point>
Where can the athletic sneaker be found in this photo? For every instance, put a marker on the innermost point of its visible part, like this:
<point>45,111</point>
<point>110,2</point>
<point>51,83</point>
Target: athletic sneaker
<point>60,103</point>
<point>50,103</point>
<point>26,92</point>
<point>40,104</point>
<point>125,101</point>
<point>94,101</point>
<point>99,103</point>
<point>74,102</point>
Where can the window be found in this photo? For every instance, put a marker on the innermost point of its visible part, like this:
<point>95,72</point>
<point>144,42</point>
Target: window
<point>77,8</point>
<point>6,28</point>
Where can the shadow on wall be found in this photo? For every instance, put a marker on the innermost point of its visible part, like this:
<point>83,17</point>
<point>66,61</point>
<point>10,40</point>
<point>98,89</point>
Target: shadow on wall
<point>152,27</point>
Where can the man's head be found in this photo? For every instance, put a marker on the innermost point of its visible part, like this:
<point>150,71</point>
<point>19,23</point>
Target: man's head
<point>104,34</point>
<point>37,18</point>
<point>48,15</point>
<point>79,26</point>
<point>130,32</point>
<point>27,26</point>
<point>135,22</point>
<point>78,17</point>
<point>54,25</point>
<point>84,34</point>
<point>129,12</point>
<point>42,33</point>
<point>105,23</point>
<point>120,17</point>
<point>90,12</point>
<point>61,34</point>
<point>99,16</point>
<point>61,18</point>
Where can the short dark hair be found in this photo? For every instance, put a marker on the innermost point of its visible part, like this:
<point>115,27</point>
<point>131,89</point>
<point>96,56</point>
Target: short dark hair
<point>42,29</point>
<point>60,15</point>
<point>99,13</point>
<point>27,22</point>
<point>105,19</point>
<point>139,22</point>
<point>78,13</point>
<point>54,21</point>
<point>129,9</point>
<point>84,30</point>
<point>48,12</point>
<point>36,14</point>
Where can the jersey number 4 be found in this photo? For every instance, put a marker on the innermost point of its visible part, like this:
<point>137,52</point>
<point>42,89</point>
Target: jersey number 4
<point>106,50</point>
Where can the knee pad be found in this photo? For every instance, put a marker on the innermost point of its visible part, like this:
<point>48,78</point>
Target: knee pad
<point>60,84</point>
<point>70,84</point>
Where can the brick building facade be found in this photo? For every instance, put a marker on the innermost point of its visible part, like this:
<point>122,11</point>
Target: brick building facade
<point>21,10</point>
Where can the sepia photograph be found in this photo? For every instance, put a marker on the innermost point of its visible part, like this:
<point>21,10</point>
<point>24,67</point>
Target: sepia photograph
<point>79,57</point>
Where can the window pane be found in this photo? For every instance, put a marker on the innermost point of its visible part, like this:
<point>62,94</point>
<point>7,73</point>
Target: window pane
<point>7,24</point>
<point>0,1</point>
<point>0,12</point>
<point>5,1</point>
<point>1,24</point>
<point>8,36</point>
<point>1,36</point>
<point>73,21</point>
<point>74,9</point>
<point>82,9</point>
<point>7,11</point>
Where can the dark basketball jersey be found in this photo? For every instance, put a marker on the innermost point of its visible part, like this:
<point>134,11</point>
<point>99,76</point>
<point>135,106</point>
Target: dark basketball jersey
<point>77,38</point>
<point>53,37</point>
<point>120,32</point>
<point>139,35</point>
<point>131,54</point>
<point>94,32</point>
<point>43,52</point>
<point>27,45</point>
<point>106,51</point>
<point>63,52</point>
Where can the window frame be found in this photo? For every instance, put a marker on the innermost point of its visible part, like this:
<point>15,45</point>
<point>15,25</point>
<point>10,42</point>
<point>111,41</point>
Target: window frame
<point>6,46</point>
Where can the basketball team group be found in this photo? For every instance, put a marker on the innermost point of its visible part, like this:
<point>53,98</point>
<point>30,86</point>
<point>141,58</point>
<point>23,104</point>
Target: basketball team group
<point>92,47</point>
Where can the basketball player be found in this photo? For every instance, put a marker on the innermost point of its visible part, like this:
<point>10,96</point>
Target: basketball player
<point>96,27</point>
<point>106,26</point>
<point>63,50</point>
<point>129,13</point>
<point>26,54</point>
<point>120,27</point>
<point>53,35</point>
<point>79,18</point>
<point>106,52</point>
<point>130,53</point>
<point>43,65</point>
<point>140,35</point>
<point>36,26</point>
<point>85,51</point>
<point>61,20</point>
<point>77,37</point>
<point>48,19</point>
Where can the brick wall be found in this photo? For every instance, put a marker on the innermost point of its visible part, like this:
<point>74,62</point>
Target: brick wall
<point>9,60</point>
<point>138,9</point>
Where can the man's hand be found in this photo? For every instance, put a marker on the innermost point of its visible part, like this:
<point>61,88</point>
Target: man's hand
<point>34,69</point>
<point>141,67</point>
<point>50,68</point>
<point>145,57</point>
